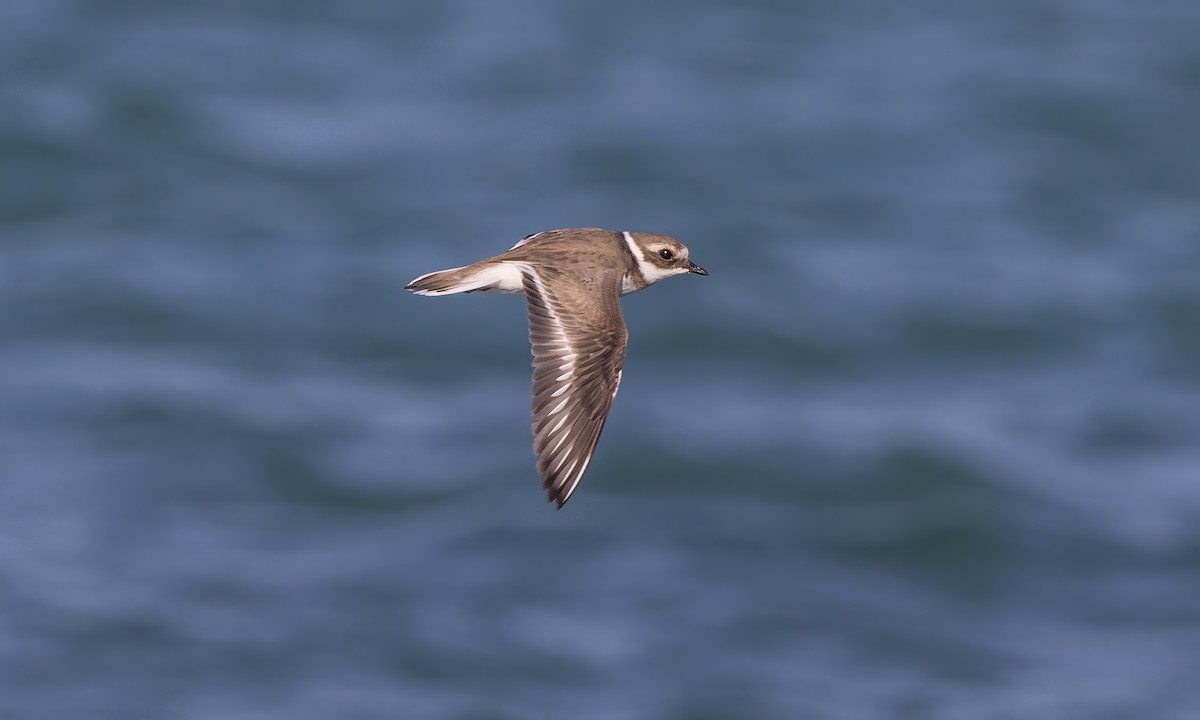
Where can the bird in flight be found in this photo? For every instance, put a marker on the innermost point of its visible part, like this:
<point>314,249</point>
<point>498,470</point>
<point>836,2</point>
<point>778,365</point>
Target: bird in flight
<point>571,279</point>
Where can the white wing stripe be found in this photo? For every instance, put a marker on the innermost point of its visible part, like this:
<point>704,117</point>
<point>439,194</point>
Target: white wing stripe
<point>568,360</point>
<point>562,403</point>
<point>566,473</point>
<point>561,439</point>
<point>561,421</point>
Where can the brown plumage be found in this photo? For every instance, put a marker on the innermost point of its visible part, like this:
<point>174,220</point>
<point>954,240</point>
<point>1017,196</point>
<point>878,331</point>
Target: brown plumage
<point>571,280</point>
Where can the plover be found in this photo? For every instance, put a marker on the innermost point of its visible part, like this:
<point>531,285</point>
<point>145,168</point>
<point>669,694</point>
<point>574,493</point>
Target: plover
<point>571,279</point>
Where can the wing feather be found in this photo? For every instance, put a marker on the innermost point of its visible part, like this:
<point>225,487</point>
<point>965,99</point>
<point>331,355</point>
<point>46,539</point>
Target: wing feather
<point>578,340</point>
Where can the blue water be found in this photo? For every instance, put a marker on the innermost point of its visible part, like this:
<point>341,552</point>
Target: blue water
<point>926,443</point>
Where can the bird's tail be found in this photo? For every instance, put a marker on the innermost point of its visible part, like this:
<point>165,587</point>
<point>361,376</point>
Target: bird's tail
<point>495,277</point>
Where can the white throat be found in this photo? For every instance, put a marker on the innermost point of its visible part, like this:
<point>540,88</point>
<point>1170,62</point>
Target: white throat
<point>650,274</point>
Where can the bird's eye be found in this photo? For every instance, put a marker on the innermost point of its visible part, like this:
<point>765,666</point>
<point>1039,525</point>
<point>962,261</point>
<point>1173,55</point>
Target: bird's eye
<point>666,254</point>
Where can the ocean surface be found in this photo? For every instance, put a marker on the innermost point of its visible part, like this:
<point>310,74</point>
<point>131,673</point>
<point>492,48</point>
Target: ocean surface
<point>926,443</point>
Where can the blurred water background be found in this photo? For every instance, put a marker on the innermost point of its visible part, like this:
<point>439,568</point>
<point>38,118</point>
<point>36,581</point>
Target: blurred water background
<point>926,444</point>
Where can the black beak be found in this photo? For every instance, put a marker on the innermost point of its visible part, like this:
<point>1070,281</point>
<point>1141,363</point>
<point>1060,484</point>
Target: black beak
<point>696,269</point>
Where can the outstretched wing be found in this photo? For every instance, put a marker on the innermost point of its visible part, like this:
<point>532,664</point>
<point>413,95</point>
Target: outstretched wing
<point>578,339</point>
